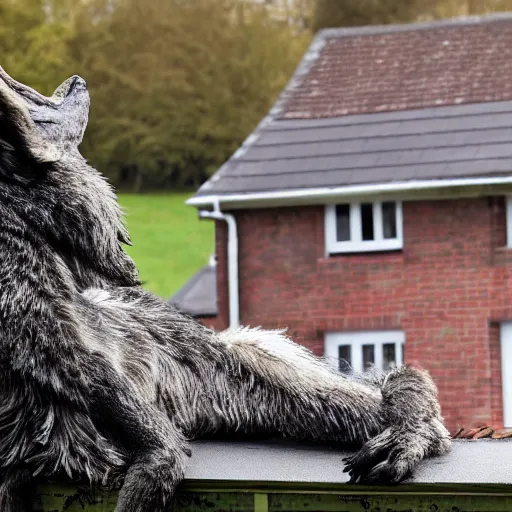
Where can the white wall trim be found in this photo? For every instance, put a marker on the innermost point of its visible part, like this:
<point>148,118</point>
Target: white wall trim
<point>506,371</point>
<point>508,206</point>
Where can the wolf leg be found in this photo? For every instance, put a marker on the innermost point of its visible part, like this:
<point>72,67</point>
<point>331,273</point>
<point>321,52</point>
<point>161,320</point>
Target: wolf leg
<point>151,481</point>
<point>158,454</point>
<point>157,449</point>
<point>16,491</point>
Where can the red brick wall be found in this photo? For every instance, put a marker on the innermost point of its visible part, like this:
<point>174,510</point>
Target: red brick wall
<point>221,252</point>
<point>448,289</point>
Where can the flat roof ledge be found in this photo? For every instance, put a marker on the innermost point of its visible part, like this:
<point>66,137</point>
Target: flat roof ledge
<point>272,476</point>
<point>485,461</point>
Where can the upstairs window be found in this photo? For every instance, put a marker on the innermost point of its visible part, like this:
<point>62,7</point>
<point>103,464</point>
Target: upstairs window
<point>360,351</point>
<point>364,226</point>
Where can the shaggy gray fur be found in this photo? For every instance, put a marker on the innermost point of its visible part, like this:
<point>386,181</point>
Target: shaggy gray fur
<point>102,380</point>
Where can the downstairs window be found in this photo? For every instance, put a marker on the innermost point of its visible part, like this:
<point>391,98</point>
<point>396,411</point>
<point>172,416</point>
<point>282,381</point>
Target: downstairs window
<point>360,351</point>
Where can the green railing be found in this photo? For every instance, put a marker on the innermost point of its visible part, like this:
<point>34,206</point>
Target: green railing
<point>268,497</point>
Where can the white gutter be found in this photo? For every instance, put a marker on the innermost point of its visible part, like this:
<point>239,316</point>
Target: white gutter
<point>216,214</point>
<point>325,193</point>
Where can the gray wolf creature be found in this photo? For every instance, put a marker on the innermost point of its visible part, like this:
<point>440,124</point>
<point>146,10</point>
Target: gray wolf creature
<point>102,380</point>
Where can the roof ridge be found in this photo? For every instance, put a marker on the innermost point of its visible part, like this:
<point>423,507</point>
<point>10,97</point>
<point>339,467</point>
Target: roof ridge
<point>322,36</point>
<point>333,33</point>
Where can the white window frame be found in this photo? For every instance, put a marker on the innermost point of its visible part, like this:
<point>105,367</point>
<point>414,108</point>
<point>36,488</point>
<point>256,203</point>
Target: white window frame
<point>506,372</point>
<point>508,205</point>
<point>356,243</point>
<point>356,340</point>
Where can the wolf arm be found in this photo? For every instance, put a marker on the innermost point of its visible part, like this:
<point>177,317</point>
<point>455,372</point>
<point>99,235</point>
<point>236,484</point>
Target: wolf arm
<point>255,381</point>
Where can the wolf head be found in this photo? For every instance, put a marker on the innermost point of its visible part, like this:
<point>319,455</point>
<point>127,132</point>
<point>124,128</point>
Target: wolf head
<point>45,181</point>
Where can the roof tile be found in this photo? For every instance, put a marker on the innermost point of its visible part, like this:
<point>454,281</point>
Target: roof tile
<point>404,68</point>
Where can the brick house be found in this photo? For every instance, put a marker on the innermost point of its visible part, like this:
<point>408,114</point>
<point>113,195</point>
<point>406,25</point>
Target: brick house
<point>369,211</point>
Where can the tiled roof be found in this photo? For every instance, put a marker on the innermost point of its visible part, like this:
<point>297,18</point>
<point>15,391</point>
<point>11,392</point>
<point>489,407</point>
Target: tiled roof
<point>443,143</point>
<point>384,105</point>
<point>405,67</point>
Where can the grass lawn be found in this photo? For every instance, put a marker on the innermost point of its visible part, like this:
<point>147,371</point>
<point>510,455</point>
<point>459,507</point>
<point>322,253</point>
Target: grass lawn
<point>170,243</point>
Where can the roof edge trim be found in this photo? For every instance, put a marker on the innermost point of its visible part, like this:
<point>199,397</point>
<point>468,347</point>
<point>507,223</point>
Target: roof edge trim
<point>293,195</point>
<point>455,21</point>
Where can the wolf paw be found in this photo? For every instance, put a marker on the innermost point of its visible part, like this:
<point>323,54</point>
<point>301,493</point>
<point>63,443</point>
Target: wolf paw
<point>391,456</point>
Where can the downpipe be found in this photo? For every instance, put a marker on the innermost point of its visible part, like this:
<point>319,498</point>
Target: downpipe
<point>233,290</point>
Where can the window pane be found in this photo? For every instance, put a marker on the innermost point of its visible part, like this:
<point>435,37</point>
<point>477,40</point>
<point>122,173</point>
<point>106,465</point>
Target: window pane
<point>368,356</point>
<point>389,219</point>
<point>344,358</point>
<point>367,221</point>
<point>388,356</point>
<point>342,222</point>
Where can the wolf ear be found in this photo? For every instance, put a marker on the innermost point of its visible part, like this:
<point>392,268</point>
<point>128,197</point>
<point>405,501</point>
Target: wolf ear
<point>18,132</point>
